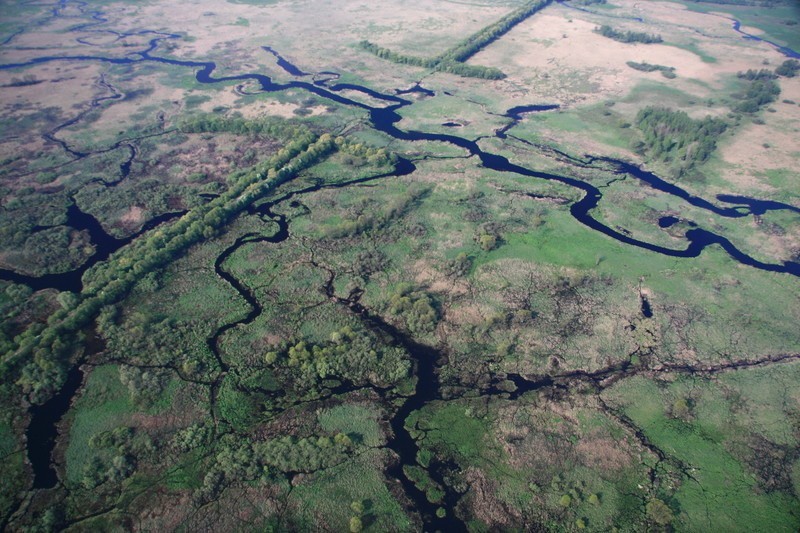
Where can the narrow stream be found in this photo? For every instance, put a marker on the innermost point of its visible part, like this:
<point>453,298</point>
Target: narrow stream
<point>735,24</point>
<point>244,292</point>
<point>104,245</point>
<point>425,359</point>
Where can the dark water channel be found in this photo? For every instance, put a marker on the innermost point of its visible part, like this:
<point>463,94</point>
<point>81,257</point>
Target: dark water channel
<point>284,64</point>
<point>42,430</point>
<point>667,222</point>
<point>785,50</point>
<point>104,245</point>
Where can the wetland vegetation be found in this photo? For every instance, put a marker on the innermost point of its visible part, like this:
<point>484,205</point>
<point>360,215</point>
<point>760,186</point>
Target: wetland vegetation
<point>252,277</point>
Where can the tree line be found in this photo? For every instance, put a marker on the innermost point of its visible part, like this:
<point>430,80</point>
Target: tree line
<point>41,349</point>
<point>394,57</point>
<point>667,72</point>
<point>760,3</point>
<point>268,126</point>
<point>477,41</point>
<point>278,128</point>
<point>628,36</point>
<point>452,67</point>
<point>452,60</point>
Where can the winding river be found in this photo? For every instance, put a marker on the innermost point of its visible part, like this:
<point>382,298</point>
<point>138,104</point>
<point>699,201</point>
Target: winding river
<point>383,118</point>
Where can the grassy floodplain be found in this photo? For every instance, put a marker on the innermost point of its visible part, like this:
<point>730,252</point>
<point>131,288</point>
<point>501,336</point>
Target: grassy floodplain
<point>257,277</point>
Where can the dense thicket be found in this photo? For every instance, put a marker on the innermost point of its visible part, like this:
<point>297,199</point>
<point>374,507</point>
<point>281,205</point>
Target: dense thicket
<point>257,462</point>
<point>415,308</point>
<point>758,93</point>
<point>394,57</point>
<point>788,68</point>
<point>628,36</point>
<point>762,88</point>
<point>667,72</point>
<point>350,355</point>
<point>673,136</point>
<point>274,127</point>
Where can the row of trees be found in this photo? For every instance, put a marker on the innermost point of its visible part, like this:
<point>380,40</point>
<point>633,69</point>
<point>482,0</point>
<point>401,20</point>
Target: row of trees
<point>44,346</point>
<point>762,3</point>
<point>752,74</point>
<point>452,60</point>
<point>394,57</point>
<point>452,67</point>
<point>274,127</point>
<point>470,71</point>
<point>628,36</point>
<point>477,41</point>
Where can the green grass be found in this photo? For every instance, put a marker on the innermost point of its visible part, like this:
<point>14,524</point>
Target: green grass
<point>771,20</point>
<point>562,242</point>
<point>757,297</point>
<point>648,91</point>
<point>597,123</point>
<point>359,422</point>
<point>429,115</point>
<point>722,491</point>
<point>12,468</point>
<point>325,498</point>
<point>696,50</point>
<point>453,428</point>
<point>784,181</point>
<point>104,405</point>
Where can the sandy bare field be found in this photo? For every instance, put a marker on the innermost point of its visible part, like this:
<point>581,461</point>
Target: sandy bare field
<point>557,55</point>
<point>747,152</point>
<point>331,29</point>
